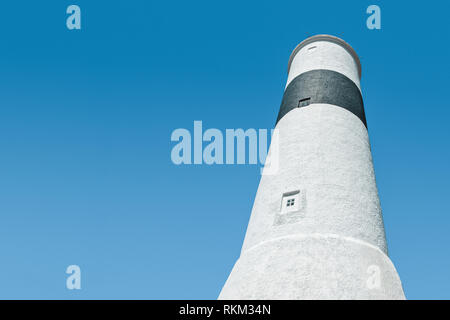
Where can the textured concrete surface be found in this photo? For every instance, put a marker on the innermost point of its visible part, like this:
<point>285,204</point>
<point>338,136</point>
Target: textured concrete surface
<point>313,267</point>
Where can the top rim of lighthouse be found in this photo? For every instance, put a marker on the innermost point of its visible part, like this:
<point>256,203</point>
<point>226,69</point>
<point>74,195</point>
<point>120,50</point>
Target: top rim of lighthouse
<point>329,38</point>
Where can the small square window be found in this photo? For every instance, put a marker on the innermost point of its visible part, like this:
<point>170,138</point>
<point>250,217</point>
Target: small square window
<point>304,102</point>
<point>292,208</point>
<point>290,202</point>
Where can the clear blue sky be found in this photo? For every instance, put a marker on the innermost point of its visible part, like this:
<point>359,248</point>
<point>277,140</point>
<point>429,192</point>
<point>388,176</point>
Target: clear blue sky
<point>86,117</point>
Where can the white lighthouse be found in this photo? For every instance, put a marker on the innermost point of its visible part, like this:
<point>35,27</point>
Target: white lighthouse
<point>316,229</point>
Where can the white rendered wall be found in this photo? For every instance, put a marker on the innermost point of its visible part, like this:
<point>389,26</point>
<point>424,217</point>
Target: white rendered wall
<point>313,267</point>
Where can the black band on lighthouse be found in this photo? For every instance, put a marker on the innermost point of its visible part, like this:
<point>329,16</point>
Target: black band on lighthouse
<point>323,86</point>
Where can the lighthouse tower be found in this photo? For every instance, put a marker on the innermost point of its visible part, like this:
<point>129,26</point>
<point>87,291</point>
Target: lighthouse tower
<point>316,229</point>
